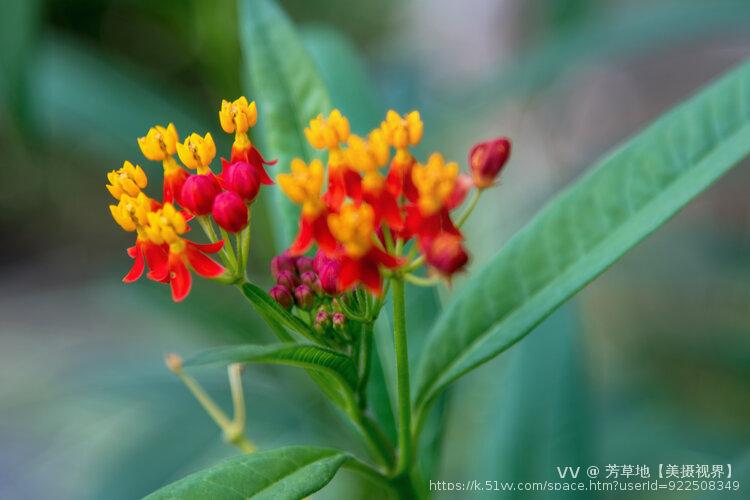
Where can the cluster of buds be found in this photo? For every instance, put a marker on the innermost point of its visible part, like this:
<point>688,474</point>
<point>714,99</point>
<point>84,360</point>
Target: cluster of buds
<point>190,190</point>
<point>366,219</point>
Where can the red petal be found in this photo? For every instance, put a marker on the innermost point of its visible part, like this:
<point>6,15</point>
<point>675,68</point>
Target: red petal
<point>304,238</point>
<point>446,224</point>
<point>323,235</point>
<point>203,265</point>
<point>207,247</point>
<point>180,279</point>
<point>138,265</point>
<point>349,273</point>
<point>352,184</point>
<point>463,184</point>
<point>383,258</point>
<point>391,212</point>
<point>370,276</point>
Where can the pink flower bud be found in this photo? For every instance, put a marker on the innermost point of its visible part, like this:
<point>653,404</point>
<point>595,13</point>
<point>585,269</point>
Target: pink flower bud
<point>282,262</point>
<point>487,159</point>
<point>311,279</point>
<point>230,212</point>
<point>304,297</point>
<point>322,319</point>
<point>339,320</point>
<point>287,279</point>
<point>320,261</point>
<point>445,253</point>
<point>241,178</point>
<point>199,192</point>
<point>282,296</point>
<point>329,277</point>
<point>304,264</point>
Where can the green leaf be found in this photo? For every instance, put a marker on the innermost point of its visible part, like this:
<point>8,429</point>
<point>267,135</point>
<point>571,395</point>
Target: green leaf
<point>292,472</point>
<point>284,82</point>
<point>302,355</point>
<point>588,227</point>
<point>276,316</point>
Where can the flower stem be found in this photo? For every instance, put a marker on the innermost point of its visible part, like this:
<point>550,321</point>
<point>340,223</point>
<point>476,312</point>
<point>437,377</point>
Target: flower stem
<point>402,377</point>
<point>208,228</point>
<point>469,208</point>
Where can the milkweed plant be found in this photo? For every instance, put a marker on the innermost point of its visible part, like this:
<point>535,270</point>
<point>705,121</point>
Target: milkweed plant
<point>371,216</point>
<point>374,217</point>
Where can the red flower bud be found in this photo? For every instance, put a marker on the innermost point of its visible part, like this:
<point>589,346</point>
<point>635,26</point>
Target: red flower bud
<point>287,279</point>
<point>199,192</point>
<point>241,178</point>
<point>487,159</point>
<point>320,261</point>
<point>311,279</point>
<point>281,295</point>
<point>282,262</point>
<point>230,212</point>
<point>445,253</point>
<point>304,297</point>
<point>339,320</point>
<point>304,264</point>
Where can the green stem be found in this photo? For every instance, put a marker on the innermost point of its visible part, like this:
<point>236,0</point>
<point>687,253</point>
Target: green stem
<point>208,228</point>
<point>402,377</point>
<point>469,208</point>
<point>365,361</point>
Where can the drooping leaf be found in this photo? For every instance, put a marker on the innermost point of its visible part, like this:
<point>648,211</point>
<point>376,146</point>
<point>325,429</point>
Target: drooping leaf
<point>285,473</point>
<point>588,227</point>
<point>282,78</point>
<point>302,355</point>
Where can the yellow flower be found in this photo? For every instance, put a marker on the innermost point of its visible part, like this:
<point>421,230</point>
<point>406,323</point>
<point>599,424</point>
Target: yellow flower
<point>353,226</point>
<point>328,133</point>
<point>197,152</point>
<point>303,185</point>
<point>368,155</point>
<point>131,213</point>
<point>159,143</point>
<point>165,226</point>
<point>434,182</point>
<point>129,179</point>
<point>402,132</point>
<point>238,116</point>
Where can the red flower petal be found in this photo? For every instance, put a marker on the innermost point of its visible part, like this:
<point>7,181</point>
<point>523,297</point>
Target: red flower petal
<point>464,183</point>
<point>370,276</point>
<point>352,184</point>
<point>180,279</point>
<point>136,271</point>
<point>201,264</point>
<point>207,247</point>
<point>349,273</point>
<point>304,238</point>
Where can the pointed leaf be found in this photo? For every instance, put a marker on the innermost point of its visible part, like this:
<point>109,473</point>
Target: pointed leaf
<point>301,355</point>
<point>588,227</point>
<point>285,473</point>
<point>282,78</point>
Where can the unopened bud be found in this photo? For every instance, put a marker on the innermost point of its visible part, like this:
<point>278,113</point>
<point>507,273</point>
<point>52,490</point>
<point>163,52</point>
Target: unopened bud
<point>328,277</point>
<point>322,318</point>
<point>304,264</point>
<point>199,192</point>
<point>311,279</point>
<point>446,254</point>
<point>487,159</point>
<point>282,262</point>
<point>230,212</point>
<point>282,296</point>
<point>241,178</point>
<point>304,297</point>
<point>339,320</point>
<point>287,279</point>
<point>173,362</point>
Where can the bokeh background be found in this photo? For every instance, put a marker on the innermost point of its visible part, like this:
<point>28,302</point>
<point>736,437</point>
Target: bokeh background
<point>649,364</point>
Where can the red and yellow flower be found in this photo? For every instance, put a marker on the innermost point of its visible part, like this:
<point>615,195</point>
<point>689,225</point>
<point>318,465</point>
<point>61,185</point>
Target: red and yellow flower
<point>303,186</point>
<point>330,133</point>
<point>239,116</point>
<point>402,132</point>
<point>165,227</point>
<point>361,258</point>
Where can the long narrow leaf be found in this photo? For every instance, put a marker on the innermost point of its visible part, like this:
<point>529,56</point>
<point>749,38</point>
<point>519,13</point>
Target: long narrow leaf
<point>588,227</point>
<point>284,81</point>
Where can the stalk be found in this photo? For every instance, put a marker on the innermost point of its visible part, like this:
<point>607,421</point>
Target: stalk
<point>402,377</point>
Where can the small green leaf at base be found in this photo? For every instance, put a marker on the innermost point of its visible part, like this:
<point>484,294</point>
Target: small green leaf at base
<point>285,473</point>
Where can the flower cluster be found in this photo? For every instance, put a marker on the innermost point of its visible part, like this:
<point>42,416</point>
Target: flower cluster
<point>191,190</point>
<point>373,223</point>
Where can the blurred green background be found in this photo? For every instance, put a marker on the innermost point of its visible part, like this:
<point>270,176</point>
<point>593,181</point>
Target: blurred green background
<point>649,364</point>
